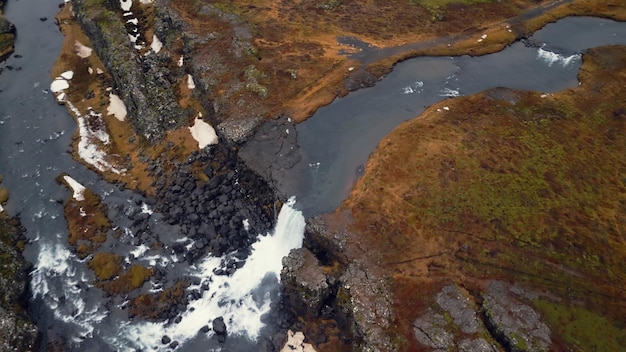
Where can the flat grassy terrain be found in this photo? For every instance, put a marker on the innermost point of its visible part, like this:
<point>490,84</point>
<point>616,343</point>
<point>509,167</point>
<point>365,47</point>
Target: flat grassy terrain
<point>510,185</point>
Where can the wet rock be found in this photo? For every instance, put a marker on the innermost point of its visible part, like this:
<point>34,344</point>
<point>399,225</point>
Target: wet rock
<point>219,327</point>
<point>165,340</point>
<point>516,324</point>
<point>304,278</point>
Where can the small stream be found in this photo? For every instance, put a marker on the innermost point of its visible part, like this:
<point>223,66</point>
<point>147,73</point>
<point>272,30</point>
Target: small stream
<point>35,137</point>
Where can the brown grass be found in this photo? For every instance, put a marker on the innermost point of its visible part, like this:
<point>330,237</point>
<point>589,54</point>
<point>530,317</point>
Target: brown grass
<point>527,192</point>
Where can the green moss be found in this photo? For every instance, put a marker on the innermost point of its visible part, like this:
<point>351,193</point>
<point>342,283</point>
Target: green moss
<point>105,265</point>
<point>137,275</point>
<point>4,194</point>
<point>582,329</point>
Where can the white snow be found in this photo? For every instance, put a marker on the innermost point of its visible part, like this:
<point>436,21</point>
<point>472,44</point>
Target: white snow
<point>68,75</point>
<point>446,108</point>
<point>1,208</point>
<point>203,133</point>
<point>133,21</point>
<point>87,149</point>
<point>76,187</point>
<point>180,61</point>
<point>295,343</point>
<point>61,97</point>
<point>145,2</point>
<point>90,70</point>
<point>99,71</point>
<point>190,83</point>
<point>126,5</point>
<point>116,107</point>
<point>58,85</point>
<point>156,45</point>
<point>81,50</point>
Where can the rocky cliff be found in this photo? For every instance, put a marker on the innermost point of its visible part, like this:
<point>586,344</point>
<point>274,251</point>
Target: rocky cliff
<point>144,77</point>
<point>18,332</point>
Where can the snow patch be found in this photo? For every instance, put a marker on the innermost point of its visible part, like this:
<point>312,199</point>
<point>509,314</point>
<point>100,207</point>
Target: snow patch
<point>58,85</point>
<point>156,45</point>
<point>76,187</point>
<point>81,50</point>
<point>68,75</point>
<point>116,107</point>
<point>190,83</point>
<point>203,133</point>
<point>180,61</point>
<point>295,343</point>
<point>126,4</point>
<point>87,150</point>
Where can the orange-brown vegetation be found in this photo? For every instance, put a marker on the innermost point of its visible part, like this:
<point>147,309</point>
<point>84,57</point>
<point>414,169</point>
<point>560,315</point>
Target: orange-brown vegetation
<point>152,306</point>
<point>131,279</point>
<point>508,185</point>
<point>87,223</point>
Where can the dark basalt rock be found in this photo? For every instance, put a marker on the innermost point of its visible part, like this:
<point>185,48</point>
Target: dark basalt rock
<point>219,327</point>
<point>18,332</point>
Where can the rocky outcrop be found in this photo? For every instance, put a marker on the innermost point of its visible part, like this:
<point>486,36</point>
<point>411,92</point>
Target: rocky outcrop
<point>453,322</point>
<point>144,81</point>
<point>18,332</point>
<point>513,322</point>
<point>304,276</point>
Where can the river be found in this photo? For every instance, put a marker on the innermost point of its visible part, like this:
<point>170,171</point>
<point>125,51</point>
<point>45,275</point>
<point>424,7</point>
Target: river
<point>35,137</point>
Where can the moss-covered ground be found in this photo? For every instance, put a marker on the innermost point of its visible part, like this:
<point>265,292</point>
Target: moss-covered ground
<point>513,185</point>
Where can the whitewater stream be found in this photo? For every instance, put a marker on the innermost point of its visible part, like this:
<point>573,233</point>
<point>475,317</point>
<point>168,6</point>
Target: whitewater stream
<point>35,137</point>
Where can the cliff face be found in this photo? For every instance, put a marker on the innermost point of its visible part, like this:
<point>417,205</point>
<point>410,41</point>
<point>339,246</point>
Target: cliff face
<point>143,77</point>
<point>18,332</point>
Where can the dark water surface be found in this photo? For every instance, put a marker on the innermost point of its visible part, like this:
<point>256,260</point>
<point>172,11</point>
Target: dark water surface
<point>35,137</point>
<point>336,142</point>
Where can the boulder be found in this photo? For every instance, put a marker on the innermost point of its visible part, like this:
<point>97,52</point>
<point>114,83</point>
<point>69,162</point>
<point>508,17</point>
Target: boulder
<point>219,327</point>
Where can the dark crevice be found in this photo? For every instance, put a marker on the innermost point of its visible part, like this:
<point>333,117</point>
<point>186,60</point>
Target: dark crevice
<point>495,333</point>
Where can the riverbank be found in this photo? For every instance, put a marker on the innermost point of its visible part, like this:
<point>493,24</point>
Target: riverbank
<point>486,205</point>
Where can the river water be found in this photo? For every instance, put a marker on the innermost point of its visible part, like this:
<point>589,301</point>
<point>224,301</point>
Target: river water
<point>35,137</point>
<point>336,142</point>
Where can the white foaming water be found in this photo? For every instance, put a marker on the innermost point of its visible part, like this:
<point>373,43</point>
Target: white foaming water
<point>232,297</point>
<point>552,58</point>
<point>417,87</point>
<point>54,266</point>
<point>447,92</point>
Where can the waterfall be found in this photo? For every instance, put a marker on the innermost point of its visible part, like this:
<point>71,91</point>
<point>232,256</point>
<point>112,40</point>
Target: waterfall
<point>241,299</point>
